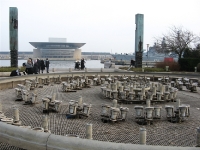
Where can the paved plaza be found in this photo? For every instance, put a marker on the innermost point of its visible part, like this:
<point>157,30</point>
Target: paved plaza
<point>161,132</point>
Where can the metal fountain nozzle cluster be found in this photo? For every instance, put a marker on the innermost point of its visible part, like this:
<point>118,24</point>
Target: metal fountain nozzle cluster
<point>113,114</point>
<point>188,83</point>
<point>23,91</point>
<point>178,113</point>
<point>78,109</point>
<point>72,84</point>
<point>138,89</point>
<point>50,104</point>
<point>146,115</point>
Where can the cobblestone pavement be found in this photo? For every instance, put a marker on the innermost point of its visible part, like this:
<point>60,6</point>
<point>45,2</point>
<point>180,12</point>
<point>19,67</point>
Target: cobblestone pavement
<point>161,132</point>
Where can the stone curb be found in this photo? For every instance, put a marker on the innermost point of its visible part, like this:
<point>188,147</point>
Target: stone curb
<point>36,140</point>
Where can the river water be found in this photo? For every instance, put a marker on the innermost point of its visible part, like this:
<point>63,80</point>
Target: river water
<point>59,64</point>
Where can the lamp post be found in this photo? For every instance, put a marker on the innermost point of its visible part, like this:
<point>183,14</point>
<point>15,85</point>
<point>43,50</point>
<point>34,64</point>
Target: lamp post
<point>147,54</point>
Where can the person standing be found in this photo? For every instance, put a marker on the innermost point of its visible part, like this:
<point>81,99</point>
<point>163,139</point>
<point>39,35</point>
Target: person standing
<point>47,65</point>
<point>82,63</point>
<point>42,65</point>
<point>29,66</point>
<point>35,67</point>
<point>31,61</point>
<point>132,63</point>
<point>39,65</point>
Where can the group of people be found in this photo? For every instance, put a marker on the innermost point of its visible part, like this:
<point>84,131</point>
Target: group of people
<point>37,66</point>
<point>33,67</point>
<point>82,63</point>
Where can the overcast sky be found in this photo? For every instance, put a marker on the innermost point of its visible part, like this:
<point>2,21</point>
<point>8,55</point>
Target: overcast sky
<point>104,25</point>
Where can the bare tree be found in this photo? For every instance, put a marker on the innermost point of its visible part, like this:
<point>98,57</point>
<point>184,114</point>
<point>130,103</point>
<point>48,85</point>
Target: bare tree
<point>177,40</point>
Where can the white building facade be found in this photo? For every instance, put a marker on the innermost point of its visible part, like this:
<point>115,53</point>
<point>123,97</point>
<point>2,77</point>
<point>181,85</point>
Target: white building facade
<point>57,49</point>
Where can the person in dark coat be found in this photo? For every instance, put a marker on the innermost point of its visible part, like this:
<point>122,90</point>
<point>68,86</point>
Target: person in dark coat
<point>47,65</point>
<point>82,64</point>
<point>132,64</point>
<point>77,65</point>
<point>15,73</point>
<point>35,67</point>
<point>39,65</point>
<point>42,65</point>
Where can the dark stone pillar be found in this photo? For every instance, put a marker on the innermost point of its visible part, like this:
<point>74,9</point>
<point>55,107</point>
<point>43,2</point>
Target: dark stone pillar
<point>138,59</point>
<point>13,28</point>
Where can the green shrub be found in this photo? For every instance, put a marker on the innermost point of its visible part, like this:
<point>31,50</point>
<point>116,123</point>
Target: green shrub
<point>9,69</point>
<point>147,69</point>
<point>188,64</point>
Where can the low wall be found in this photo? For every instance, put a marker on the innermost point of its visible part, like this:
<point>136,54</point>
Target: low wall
<point>35,140</point>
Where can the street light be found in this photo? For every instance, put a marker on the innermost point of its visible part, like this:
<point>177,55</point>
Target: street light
<point>147,54</point>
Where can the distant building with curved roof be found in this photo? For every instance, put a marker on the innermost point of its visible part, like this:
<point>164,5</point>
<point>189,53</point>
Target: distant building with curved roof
<point>57,49</point>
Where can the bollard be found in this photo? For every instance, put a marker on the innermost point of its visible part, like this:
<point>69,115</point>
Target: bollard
<point>148,103</point>
<point>198,137</point>
<point>114,87</point>
<point>53,97</point>
<point>53,69</point>
<point>121,88</point>
<point>35,91</point>
<point>142,69</point>
<point>80,101</point>
<point>118,84</point>
<point>195,69</point>
<point>114,103</point>
<point>101,69</point>
<point>177,103</point>
<point>16,114</point>
<point>36,79</point>
<point>142,136</point>
<point>166,68</point>
<point>70,69</point>
<point>45,123</point>
<point>86,79</point>
<point>89,131</point>
<point>0,107</point>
